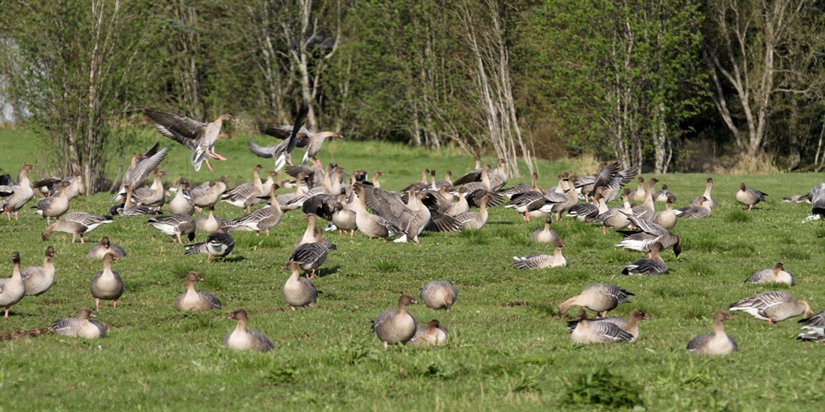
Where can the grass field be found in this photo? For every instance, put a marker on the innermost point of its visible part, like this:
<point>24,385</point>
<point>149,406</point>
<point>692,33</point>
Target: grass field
<point>506,350</point>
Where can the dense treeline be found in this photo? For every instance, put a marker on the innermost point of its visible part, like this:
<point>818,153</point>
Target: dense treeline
<point>666,85</point>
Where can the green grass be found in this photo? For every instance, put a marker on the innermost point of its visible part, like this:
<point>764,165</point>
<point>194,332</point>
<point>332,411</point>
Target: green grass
<point>506,350</point>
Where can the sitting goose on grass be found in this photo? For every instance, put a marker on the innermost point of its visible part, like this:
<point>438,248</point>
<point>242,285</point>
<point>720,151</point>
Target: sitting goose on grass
<point>586,331</point>
<point>773,306</point>
<point>651,265</point>
<point>777,274</point>
<point>813,328</point>
<point>598,297</point>
<point>438,295</point>
<point>97,251</point>
<point>630,325</point>
<point>193,299</point>
<point>81,326</point>
<point>545,235</point>
<point>433,334</point>
<point>298,291</point>
<point>698,210</point>
<point>716,343</point>
<point>242,338</point>
<point>396,326</point>
<point>542,261</point>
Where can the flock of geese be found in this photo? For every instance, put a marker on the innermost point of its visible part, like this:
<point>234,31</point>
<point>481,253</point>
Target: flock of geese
<point>321,192</point>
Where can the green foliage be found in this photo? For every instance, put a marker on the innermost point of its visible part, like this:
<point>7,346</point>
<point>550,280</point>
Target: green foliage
<point>605,389</point>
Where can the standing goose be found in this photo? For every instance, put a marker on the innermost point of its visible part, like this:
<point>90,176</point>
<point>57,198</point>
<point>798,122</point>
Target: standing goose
<point>198,137</point>
<point>542,261</point>
<point>698,210</point>
<point>773,306</point>
<point>193,299</point>
<point>298,291</point>
<point>433,334</point>
<point>242,338</point>
<point>666,218</point>
<point>39,279</point>
<point>17,194</point>
<point>638,195</point>
<point>395,326</point>
<point>586,331</point>
<point>182,202</point>
<point>142,164</point>
<point>12,289</point>
<point>777,274</point>
<point>474,220</point>
<point>651,265</point>
<point>54,206</point>
<point>367,223</point>
<point>246,194</point>
<point>97,251</point>
<point>709,201</point>
<point>438,295</point>
<point>646,210</point>
<point>153,196</point>
<point>76,223</point>
<point>264,218</point>
<point>393,209</point>
<point>175,225</point>
<point>218,244</point>
<point>749,196</point>
<point>545,235</point>
<point>598,297</point>
<point>344,219</point>
<point>282,152</point>
<point>631,325</point>
<point>81,326</point>
<point>208,193</point>
<point>309,141</point>
<point>107,284</point>
<point>716,343</point>
<point>209,223</point>
<point>616,218</point>
<point>310,256</point>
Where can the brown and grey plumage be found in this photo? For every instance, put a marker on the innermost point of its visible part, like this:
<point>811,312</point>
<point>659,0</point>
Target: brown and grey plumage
<point>197,136</point>
<point>182,202</point>
<point>773,306</point>
<point>438,295</point>
<point>813,328</point>
<point>13,289</point>
<point>218,244</point>
<point>208,193</point>
<point>546,234</point>
<point>246,194</point>
<point>193,299</point>
<point>395,325</point>
<point>154,195</point>
<point>651,265</point>
<point>38,279</point>
<point>749,196</point>
<point>282,152</point>
<point>647,234</point>
<point>209,223</point>
<point>666,218</point>
<point>141,165</point>
<point>709,201</point>
<point>298,291</point>
<point>18,193</point>
<point>107,284</point>
<point>817,196</point>
<point>630,325</point>
<point>699,209</point>
<point>81,326</point>
<point>616,217</point>
<point>777,274</point>
<point>264,218</point>
<point>175,225</point>
<point>129,208</point>
<point>586,331</point>
<point>716,343</point>
<point>242,338</point>
<point>392,209</point>
<point>598,297</point>
<point>310,256</point>
<point>432,334</point>
<point>98,250</point>
<point>54,206</point>
<point>76,223</point>
<point>311,142</point>
<point>474,220</point>
<point>542,261</point>
<point>367,223</point>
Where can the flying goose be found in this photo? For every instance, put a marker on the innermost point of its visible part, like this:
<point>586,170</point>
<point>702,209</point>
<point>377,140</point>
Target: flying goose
<point>438,295</point>
<point>81,326</point>
<point>298,291</point>
<point>432,334</point>
<point>175,225</point>
<point>97,251</point>
<point>777,274</point>
<point>39,279</point>
<point>586,331</point>
<point>193,299</point>
<point>218,244</point>
<point>12,289</point>
<point>542,261</point>
<point>197,136</point>
<point>749,196</point>
<point>17,194</point>
<point>598,297</point>
<point>396,326</point>
<point>630,325</point>
<point>242,338</point>
<point>773,306</point>
<point>107,284</point>
<point>282,151</point>
<point>76,223</point>
<point>311,142</point>
<point>141,165</point>
<point>716,343</point>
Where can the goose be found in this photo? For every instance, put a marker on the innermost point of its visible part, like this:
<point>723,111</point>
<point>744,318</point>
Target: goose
<point>813,328</point>
<point>246,194</point>
<point>716,343</point>
<point>39,279</point>
<point>610,179</point>
<point>218,244</point>
<point>209,223</point>
<point>344,220</point>
<point>572,197</point>
<point>128,208</point>
<point>666,218</point>
<point>282,151</point>
<point>175,225</point>
<point>182,202</point>
<point>393,209</point>
<point>76,223</point>
<point>433,334</point>
<point>646,210</point>
<point>777,274</point>
<point>651,265</point>
<point>322,205</point>
<point>615,217</point>
<point>208,193</point>
<point>264,218</point>
<point>474,220</point>
<point>647,234</point>
<point>54,206</point>
<point>198,137</point>
<point>630,325</point>
<point>545,235</point>
<point>598,297</point>
<point>436,184</point>
<point>17,194</point>
<point>98,250</point>
<point>13,289</point>
<point>81,326</point>
<point>310,256</point>
<point>773,306</point>
<point>242,338</point>
<point>535,202</point>
<point>542,261</point>
<point>298,291</point>
<point>193,299</point>
<point>698,210</point>
<point>663,195</point>
<point>396,326</point>
<point>638,195</point>
<point>587,212</point>
<point>749,196</point>
<point>107,284</point>
<point>141,165</point>
<point>311,142</point>
<point>709,201</point>
<point>498,176</point>
<point>310,235</point>
<point>817,196</point>
<point>153,196</point>
<point>369,224</point>
<point>438,295</point>
<point>586,331</point>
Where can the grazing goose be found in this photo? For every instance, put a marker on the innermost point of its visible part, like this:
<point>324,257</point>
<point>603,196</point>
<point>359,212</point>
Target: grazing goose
<point>175,225</point>
<point>709,201</point>
<point>153,196</point>
<point>433,334</point>
<point>651,265</point>
<point>38,279</point>
<point>698,210</point>
<point>749,196</point>
<point>298,291</point>
<point>773,306</point>
<point>264,218</point>
<point>666,218</point>
<point>438,295</point>
<point>615,217</point>
<point>367,223</point>
<point>396,326</point>
<point>474,220</point>
<point>76,223</point>
<point>194,300</point>
<point>309,141</point>
<point>630,325</point>
<point>218,244</point>
<point>242,338</point>
<point>586,331</point>
<point>813,328</point>
<point>54,206</point>
<point>282,151</point>
<point>81,326</point>
<point>97,251</point>
<point>12,289</point>
<point>198,137</point>
<point>209,223</point>
<point>649,233</point>
<point>107,284</point>
<point>310,256</point>
<point>817,196</point>
<point>663,195</point>
<point>182,202</point>
<point>545,235</point>
<point>777,274</point>
<point>598,297</point>
<point>17,194</point>
<point>716,343</point>
<point>246,194</point>
<point>542,261</point>
<point>142,164</point>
